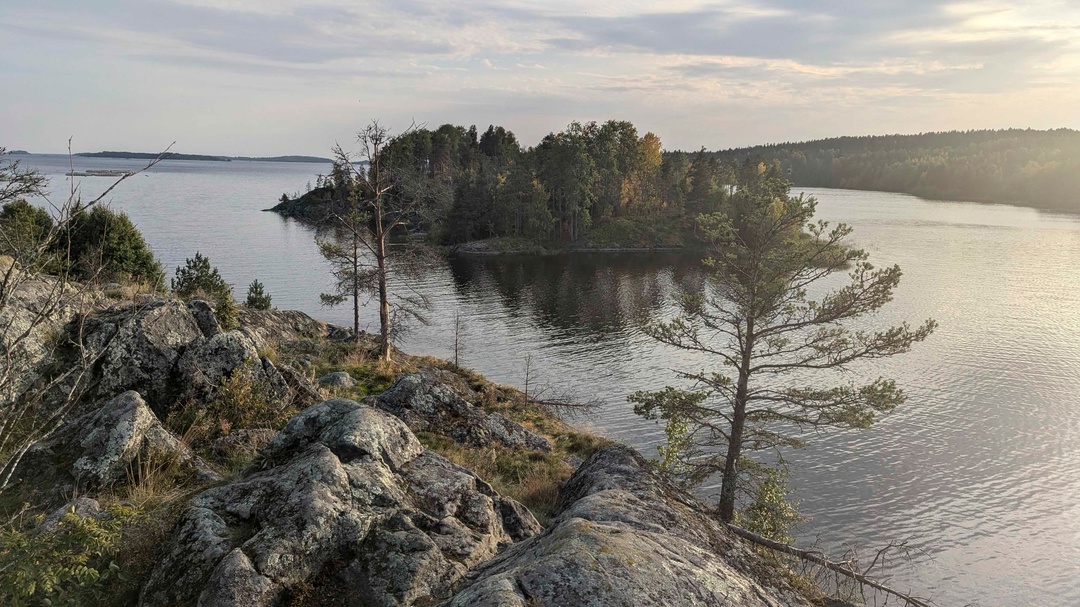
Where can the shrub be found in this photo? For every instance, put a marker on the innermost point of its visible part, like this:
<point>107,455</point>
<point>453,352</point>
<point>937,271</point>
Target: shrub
<point>774,512</point>
<point>23,226</point>
<point>257,298</point>
<point>67,565</point>
<point>198,278</point>
<point>103,239</point>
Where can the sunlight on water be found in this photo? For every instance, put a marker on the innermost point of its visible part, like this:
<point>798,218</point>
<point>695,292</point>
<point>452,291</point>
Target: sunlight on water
<point>979,471</point>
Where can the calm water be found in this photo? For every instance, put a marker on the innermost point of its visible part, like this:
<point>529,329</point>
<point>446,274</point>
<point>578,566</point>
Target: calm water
<point>979,471</point>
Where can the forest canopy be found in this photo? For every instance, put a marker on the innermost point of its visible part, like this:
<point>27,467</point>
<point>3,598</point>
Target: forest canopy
<point>1026,167</point>
<point>607,184</point>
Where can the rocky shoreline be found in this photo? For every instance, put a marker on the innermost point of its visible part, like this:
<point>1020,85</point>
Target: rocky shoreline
<point>315,494</point>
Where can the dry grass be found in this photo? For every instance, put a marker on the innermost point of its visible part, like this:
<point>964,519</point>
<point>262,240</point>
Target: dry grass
<point>530,477</point>
<point>153,479</point>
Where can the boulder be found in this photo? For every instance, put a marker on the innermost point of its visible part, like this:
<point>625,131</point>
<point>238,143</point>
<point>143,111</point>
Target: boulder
<point>337,379</point>
<point>34,316</point>
<point>139,346</point>
<point>426,402</point>
<point>626,536</point>
<point>348,504</point>
<point>207,361</point>
<point>203,313</point>
<point>269,328</point>
<point>82,507</point>
<point>104,448</point>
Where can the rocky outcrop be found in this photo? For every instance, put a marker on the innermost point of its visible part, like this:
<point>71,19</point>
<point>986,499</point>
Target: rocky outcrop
<point>269,328</point>
<point>427,403</point>
<point>175,354</point>
<point>139,346</point>
<point>206,361</point>
<point>33,318</point>
<point>627,537</point>
<point>348,504</point>
<point>103,448</point>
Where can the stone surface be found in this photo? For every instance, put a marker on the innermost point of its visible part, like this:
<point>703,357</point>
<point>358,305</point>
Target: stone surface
<point>83,507</point>
<point>337,379</point>
<point>426,402</point>
<point>103,448</point>
<point>203,313</point>
<point>627,537</point>
<point>35,315</point>
<point>241,442</point>
<point>269,328</point>
<point>348,503</point>
<point>140,345</point>
<point>206,362</point>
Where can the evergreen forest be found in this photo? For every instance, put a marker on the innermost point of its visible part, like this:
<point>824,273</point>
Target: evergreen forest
<point>607,185</point>
<point>1016,166</point>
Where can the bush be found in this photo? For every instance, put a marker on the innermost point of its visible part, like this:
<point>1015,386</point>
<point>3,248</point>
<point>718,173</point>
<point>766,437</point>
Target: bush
<point>198,279</point>
<point>774,511</point>
<point>102,239</point>
<point>22,226</point>
<point>257,298</point>
<point>68,565</point>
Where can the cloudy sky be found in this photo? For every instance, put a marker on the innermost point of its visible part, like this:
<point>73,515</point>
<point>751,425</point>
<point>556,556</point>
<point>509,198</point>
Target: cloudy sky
<point>263,77</point>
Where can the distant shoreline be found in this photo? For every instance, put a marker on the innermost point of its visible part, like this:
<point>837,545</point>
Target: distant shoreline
<point>176,156</point>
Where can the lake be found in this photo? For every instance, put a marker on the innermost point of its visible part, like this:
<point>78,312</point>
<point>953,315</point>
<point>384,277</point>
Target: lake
<point>979,471</point>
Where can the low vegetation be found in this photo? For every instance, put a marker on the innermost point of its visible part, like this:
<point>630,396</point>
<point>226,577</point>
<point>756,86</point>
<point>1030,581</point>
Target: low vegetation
<point>72,563</point>
<point>198,280</point>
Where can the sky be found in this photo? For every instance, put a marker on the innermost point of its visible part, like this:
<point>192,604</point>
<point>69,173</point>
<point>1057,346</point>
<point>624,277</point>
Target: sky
<point>270,77</point>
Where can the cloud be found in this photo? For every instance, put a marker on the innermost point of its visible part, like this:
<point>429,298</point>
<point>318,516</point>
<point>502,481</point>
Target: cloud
<point>805,63</point>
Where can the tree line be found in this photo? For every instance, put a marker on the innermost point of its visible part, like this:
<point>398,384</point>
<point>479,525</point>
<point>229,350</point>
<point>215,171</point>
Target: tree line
<point>481,185</point>
<point>1016,166</point>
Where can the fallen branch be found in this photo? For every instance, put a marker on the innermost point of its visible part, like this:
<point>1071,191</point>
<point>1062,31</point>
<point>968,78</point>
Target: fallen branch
<point>818,558</point>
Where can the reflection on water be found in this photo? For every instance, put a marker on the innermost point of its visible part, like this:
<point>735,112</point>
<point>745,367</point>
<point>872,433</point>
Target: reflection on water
<point>979,470</point>
<point>574,295</point>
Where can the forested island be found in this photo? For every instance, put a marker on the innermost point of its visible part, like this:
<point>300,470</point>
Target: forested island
<point>606,186</point>
<point>589,186</point>
<point>152,156</point>
<point>1015,166</point>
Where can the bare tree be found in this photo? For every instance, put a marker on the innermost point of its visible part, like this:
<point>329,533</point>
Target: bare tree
<point>459,330</point>
<point>376,207</point>
<point>353,278</point>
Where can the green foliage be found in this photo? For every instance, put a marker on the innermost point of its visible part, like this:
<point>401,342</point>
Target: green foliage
<point>773,512</point>
<point>1034,168</point>
<point>198,279</point>
<point>23,227</point>
<point>109,241</point>
<point>227,313</point>
<point>68,565</point>
<point>257,298</point>
<point>572,180</point>
<point>242,401</point>
<point>754,317</point>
